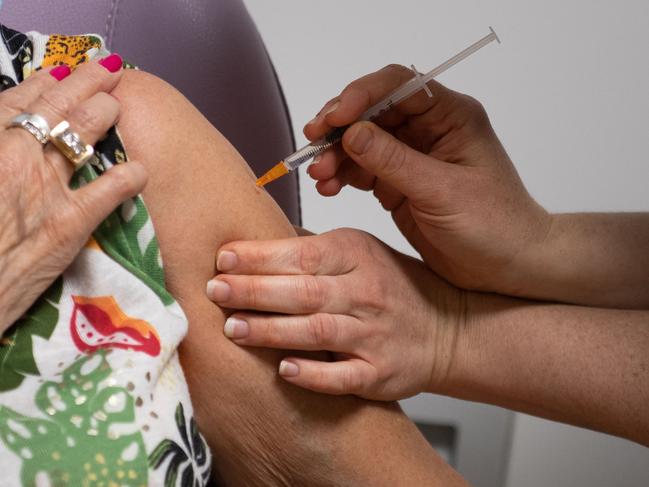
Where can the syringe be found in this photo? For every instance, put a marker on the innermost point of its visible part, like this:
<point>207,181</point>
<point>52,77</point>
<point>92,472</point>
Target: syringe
<point>409,88</point>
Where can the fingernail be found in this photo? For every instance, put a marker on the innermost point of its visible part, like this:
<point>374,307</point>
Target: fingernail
<point>61,72</point>
<point>226,261</point>
<point>112,63</point>
<point>236,328</point>
<point>331,109</point>
<point>218,290</point>
<point>360,141</point>
<point>288,369</point>
<point>313,120</point>
<point>316,160</point>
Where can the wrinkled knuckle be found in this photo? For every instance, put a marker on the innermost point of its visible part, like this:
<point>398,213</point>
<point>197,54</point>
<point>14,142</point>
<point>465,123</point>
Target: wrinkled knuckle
<point>253,292</point>
<point>376,294</point>
<point>122,184</point>
<point>350,381</point>
<point>349,236</point>
<point>476,109</point>
<point>309,258</point>
<point>13,100</point>
<point>59,102</point>
<point>311,293</point>
<point>358,87</point>
<point>89,120</point>
<point>396,68</point>
<point>393,157</point>
<point>322,330</point>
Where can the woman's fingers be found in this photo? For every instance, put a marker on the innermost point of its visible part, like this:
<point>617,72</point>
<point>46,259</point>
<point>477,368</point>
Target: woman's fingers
<point>281,294</point>
<point>16,100</point>
<point>91,119</point>
<point>344,377</point>
<point>57,102</point>
<point>314,255</point>
<point>319,331</point>
<point>95,201</point>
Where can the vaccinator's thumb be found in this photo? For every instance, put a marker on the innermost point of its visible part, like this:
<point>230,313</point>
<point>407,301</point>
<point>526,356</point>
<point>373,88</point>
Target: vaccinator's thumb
<point>379,153</point>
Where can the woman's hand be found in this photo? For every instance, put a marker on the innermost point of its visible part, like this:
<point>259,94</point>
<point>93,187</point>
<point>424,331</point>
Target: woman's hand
<point>44,222</point>
<point>389,321</point>
<point>438,167</point>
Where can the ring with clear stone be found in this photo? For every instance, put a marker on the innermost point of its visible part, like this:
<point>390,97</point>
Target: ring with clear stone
<point>71,146</point>
<point>34,124</point>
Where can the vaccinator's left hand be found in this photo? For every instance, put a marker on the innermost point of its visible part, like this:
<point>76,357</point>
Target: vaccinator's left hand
<point>388,320</point>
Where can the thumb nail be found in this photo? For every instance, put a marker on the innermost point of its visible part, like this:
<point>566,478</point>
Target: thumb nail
<point>361,140</point>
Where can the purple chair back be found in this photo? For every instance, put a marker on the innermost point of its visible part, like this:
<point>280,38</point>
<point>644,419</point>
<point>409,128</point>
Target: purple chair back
<point>209,50</point>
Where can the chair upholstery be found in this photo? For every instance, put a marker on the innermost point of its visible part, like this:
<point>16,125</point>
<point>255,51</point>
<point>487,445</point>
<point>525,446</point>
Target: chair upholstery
<point>210,50</point>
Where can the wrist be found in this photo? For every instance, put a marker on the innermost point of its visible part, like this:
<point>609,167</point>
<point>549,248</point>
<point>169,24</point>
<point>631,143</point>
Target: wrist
<point>474,354</point>
<point>528,268</point>
<point>450,327</point>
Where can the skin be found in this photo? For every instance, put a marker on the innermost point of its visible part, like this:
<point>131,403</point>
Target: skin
<point>396,329</point>
<point>438,167</point>
<point>325,309</point>
<point>45,223</point>
<point>262,431</point>
<point>454,193</point>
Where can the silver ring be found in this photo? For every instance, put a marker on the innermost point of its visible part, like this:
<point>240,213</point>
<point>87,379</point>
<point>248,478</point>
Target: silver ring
<point>71,146</point>
<point>34,124</point>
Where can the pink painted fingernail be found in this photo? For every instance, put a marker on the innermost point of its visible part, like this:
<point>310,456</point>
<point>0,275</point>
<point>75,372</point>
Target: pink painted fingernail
<point>236,328</point>
<point>288,369</point>
<point>60,72</point>
<point>218,290</point>
<point>112,63</point>
<point>226,261</point>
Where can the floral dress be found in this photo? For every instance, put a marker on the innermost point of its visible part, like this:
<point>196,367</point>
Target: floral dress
<point>91,389</point>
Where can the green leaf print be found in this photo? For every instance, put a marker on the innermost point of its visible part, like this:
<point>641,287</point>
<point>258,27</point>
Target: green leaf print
<point>16,347</point>
<point>127,235</point>
<point>191,457</point>
<point>76,444</point>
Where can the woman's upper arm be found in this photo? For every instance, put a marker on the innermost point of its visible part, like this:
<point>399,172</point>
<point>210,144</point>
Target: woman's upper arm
<point>261,430</point>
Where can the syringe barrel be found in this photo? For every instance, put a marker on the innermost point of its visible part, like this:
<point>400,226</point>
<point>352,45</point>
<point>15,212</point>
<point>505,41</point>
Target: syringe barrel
<point>414,85</point>
<point>311,150</point>
<point>314,148</point>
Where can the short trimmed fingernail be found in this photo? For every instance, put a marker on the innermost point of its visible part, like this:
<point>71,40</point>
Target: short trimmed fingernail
<point>226,261</point>
<point>288,369</point>
<point>112,63</point>
<point>313,120</point>
<point>361,140</point>
<point>218,290</point>
<point>331,109</point>
<point>316,160</point>
<point>60,72</point>
<point>236,328</point>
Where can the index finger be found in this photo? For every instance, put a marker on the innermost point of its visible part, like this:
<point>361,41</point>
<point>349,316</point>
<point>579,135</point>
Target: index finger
<point>368,90</point>
<point>55,103</point>
<point>314,255</point>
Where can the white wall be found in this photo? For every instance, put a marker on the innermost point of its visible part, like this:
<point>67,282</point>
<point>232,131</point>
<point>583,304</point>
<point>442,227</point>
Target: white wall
<point>568,94</point>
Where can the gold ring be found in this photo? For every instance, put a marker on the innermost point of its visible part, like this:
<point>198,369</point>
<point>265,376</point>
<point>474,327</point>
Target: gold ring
<point>70,145</point>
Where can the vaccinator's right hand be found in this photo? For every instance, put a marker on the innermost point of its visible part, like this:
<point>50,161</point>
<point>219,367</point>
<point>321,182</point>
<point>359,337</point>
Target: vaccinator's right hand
<point>438,167</point>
